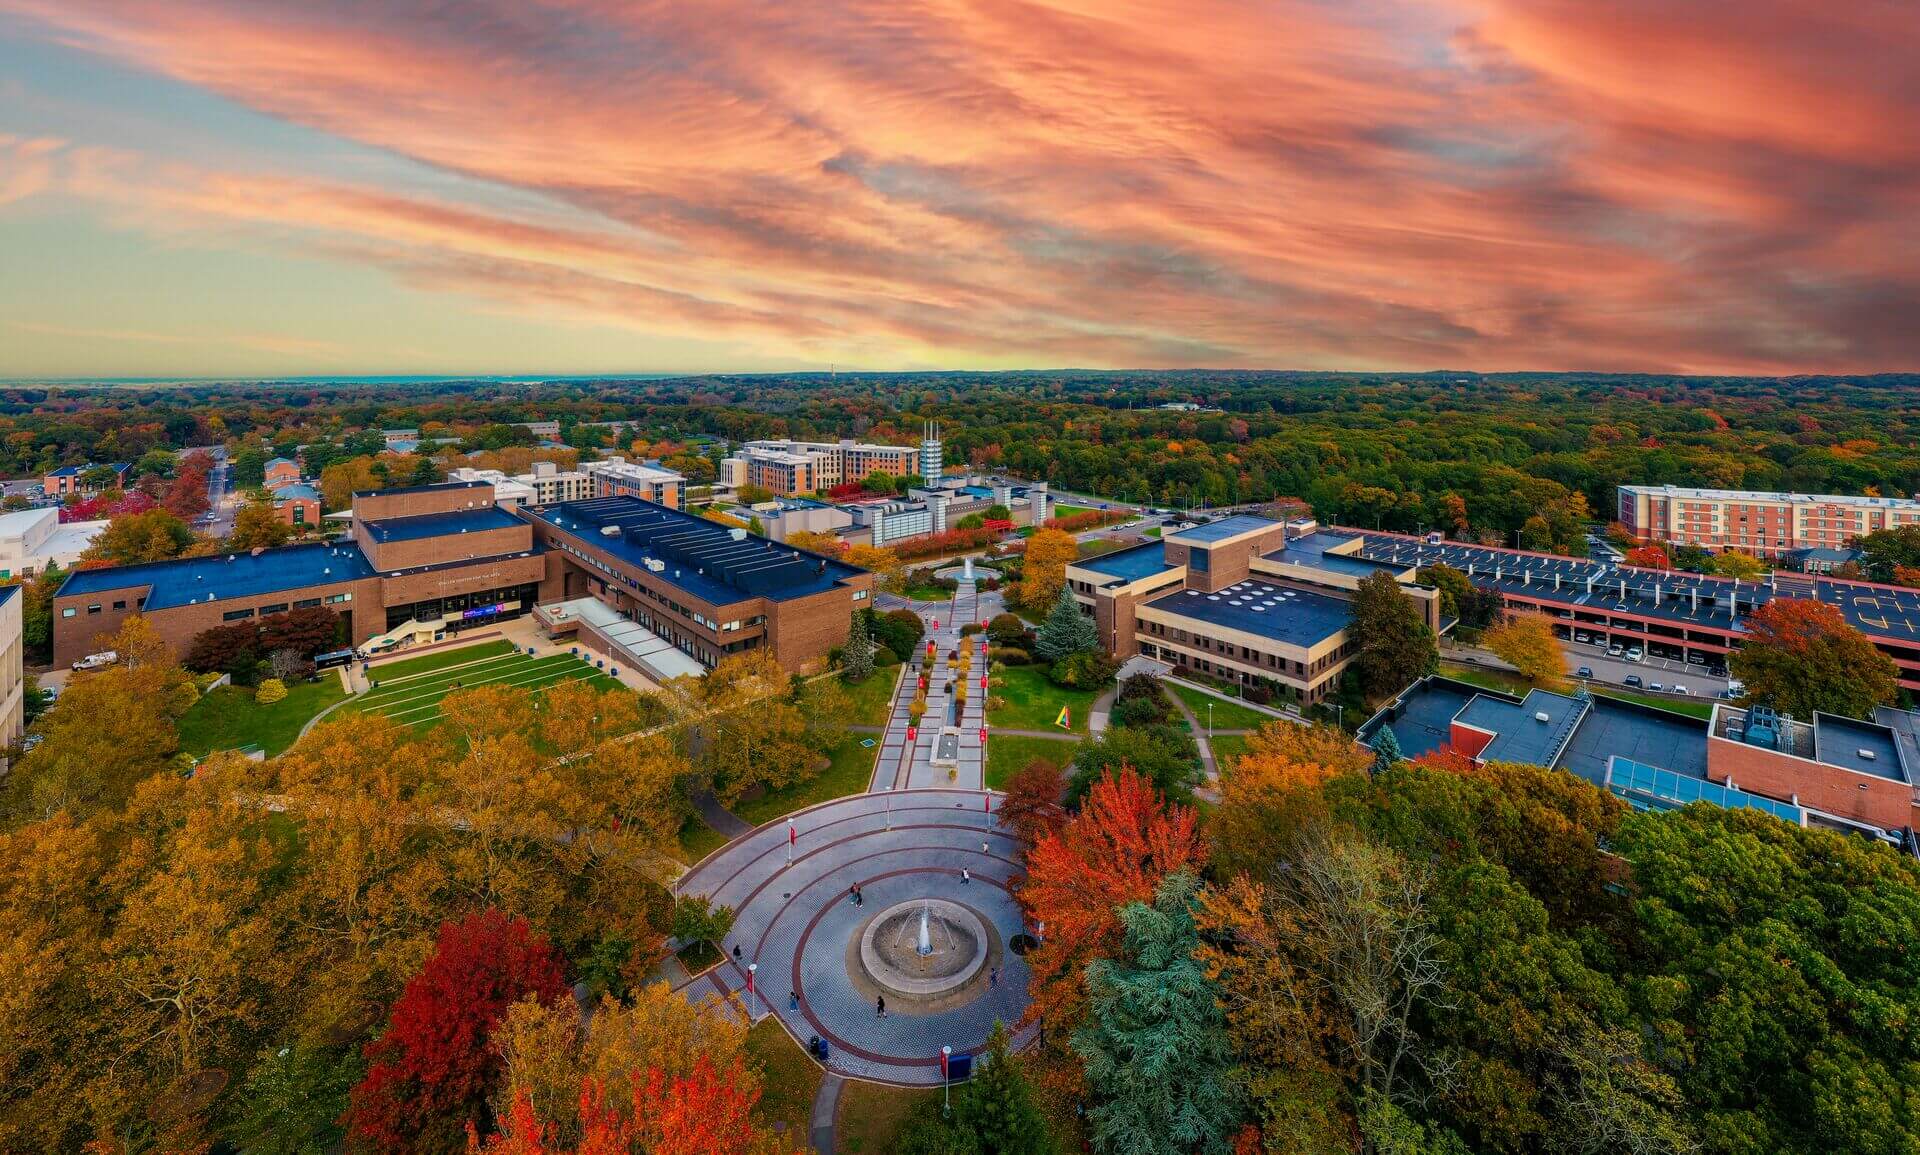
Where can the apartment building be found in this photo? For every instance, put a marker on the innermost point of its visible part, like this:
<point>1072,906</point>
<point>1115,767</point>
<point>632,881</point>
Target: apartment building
<point>793,468</point>
<point>618,477</point>
<point>1763,524</point>
<point>33,539</point>
<point>67,479</point>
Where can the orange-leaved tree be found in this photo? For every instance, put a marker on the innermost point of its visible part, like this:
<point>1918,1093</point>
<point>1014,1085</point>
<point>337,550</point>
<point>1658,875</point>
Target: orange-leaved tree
<point>704,1112</point>
<point>1117,850</point>
<point>1648,557</point>
<point>1802,655</point>
<point>1526,642</point>
<point>1272,791</point>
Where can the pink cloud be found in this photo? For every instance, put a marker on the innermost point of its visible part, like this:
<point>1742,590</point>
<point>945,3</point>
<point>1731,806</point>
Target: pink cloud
<point>1493,183</point>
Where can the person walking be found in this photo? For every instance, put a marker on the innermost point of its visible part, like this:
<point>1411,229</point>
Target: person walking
<point>880,1006</point>
<point>993,977</point>
<point>736,952</point>
<point>793,1000</point>
<point>966,876</point>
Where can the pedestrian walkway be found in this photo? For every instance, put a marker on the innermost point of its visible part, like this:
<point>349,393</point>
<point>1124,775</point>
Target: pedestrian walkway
<point>911,756</point>
<point>826,1102</point>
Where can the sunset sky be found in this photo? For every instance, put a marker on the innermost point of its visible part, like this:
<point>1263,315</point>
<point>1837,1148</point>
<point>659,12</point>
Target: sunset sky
<point>585,186</point>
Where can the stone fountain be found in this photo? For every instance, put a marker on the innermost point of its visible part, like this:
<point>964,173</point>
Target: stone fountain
<point>924,948</point>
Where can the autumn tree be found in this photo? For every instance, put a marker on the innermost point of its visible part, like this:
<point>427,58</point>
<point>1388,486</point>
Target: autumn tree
<point>1527,643</point>
<point>1044,572</point>
<point>1648,557</point>
<point>754,732</point>
<point>884,564</point>
<point>258,524</point>
<point>433,1066</point>
<point>1032,803</point>
<point>856,656</point>
<point>1801,655</point>
<point>341,480</point>
<point>812,542</point>
<point>1120,846</point>
<point>1392,642</point>
<point>131,538</point>
<point>1735,564</point>
<point>1271,792</point>
<point>708,1111</point>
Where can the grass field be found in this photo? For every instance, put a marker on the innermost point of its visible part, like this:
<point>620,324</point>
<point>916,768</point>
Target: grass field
<point>228,718</point>
<point>697,840</point>
<point>849,770</point>
<point>1033,702</point>
<point>1070,510</point>
<point>871,698</point>
<point>1227,747</point>
<point>870,1116</point>
<point>410,693</point>
<point>1226,715</point>
<point>439,660</point>
<point>1009,754</point>
<point>1096,546</point>
<point>789,1079</point>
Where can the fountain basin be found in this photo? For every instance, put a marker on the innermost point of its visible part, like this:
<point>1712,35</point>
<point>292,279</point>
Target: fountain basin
<point>890,948</point>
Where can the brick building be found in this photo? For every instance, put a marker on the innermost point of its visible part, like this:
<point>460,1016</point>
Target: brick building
<point>793,468</point>
<point>438,559</point>
<point>67,479</point>
<point>1763,524</point>
<point>618,477</point>
<point>1245,599</point>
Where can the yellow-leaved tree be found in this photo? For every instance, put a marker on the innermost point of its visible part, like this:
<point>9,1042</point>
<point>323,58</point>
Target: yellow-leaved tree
<point>1526,642</point>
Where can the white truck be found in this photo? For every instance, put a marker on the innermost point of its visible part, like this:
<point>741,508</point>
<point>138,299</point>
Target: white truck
<point>97,661</point>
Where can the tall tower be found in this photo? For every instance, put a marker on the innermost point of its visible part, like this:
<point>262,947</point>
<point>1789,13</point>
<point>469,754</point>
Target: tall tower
<point>933,455</point>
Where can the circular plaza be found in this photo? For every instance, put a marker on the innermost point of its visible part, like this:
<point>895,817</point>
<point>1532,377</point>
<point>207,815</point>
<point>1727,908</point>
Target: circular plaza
<point>928,935</point>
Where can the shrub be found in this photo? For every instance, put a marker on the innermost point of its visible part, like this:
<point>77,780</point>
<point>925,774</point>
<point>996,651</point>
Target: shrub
<point>697,919</point>
<point>271,690</point>
<point>1008,655</point>
<point>1083,671</point>
<point>182,697</point>
<point>884,658</point>
<point>970,629</point>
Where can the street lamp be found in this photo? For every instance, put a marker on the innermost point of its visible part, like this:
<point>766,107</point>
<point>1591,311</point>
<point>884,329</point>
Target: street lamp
<point>946,1080</point>
<point>1209,721</point>
<point>753,995</point>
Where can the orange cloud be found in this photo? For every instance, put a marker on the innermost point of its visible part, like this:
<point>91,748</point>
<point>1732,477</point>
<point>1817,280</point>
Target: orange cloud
<point>1485,183</point>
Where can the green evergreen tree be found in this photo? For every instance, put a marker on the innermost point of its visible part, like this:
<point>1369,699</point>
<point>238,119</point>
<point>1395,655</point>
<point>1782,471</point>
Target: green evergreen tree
<point>1386,748</point>
<point>996,1109</point>
<point>1393,642</point>
<point>856,657</point>
<point>1066,631</point>
<point>1158,1061</point>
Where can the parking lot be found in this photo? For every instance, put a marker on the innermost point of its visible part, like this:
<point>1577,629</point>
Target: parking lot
<point>1667,671</point>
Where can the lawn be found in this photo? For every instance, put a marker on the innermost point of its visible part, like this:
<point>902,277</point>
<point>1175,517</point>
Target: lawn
<point>1033,702</point>
<point>1070,510</point>
<point>1095,546</point>
<point>927,594</point>
<point>1227,747</point>
<point>228,718</point>
<point>1226,715</point>
<point>871,698</point>
<point>870,1116</point>
<point>1152,532</point>
<point>439,660</point>
<point>413,698</point>
<point>788,1079</point>
<point>1007,755</point>
<point>849,770</point>
<point>697,840</point>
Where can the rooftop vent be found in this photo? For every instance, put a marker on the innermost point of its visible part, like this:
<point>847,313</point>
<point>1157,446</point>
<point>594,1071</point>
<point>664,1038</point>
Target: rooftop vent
<point>737,534</point>
<point>609,531</point>
<point>1542,716</point>
<point>1867,755</point>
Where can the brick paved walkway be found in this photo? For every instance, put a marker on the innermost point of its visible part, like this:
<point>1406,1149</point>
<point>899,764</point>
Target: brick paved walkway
<point>796,921</point>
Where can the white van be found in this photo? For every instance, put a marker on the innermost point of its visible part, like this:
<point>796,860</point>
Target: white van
<point>96,661</point>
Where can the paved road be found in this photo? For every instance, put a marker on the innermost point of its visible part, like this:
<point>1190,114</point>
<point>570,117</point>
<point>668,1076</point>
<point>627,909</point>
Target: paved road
<point>1615,671</point>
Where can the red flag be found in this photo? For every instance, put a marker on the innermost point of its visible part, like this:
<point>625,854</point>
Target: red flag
<point>986,804</point>
<point>793,836</point>
<point>749,982</point>
<point>943,1064</point>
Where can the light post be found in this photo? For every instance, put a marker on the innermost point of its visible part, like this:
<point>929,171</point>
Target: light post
<point>753,995</point>
<point>889,809</point>
<point>1209,721</point>
<point>792,836</point>
<point>946,1080</point>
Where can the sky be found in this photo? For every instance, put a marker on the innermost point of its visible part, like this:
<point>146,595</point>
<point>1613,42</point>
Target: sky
<point>258,187</point>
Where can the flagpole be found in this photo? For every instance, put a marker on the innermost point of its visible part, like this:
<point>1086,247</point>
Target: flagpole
<point>791,836</point>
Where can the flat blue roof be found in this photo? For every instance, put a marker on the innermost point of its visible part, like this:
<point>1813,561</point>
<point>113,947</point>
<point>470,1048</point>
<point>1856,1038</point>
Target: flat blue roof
<point>1311,551</point>
<point>1130,564</point>
<point>695,554</point>
<point>1643,734</point>
<point>440,524</point>
<point>1295,617</point>
<point>1225,528</point>
<point>186,581</point>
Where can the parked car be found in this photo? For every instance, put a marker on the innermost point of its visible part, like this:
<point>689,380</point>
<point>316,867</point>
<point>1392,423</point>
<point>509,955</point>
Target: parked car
<point>96,661</point>
<point>1633,679</point>
<point>1635,654</point>
<point>1656,687</point>
<point>1585,672</point>
<point>1616,650</point>
<point>1679,688</point>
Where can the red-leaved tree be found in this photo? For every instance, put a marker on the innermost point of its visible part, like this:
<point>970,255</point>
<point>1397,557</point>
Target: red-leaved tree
<point>1648,557</point>
<point>1117,850</point>
<point>708,1112</point>
<point>432,1069</point>
<point>1032,804</point>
